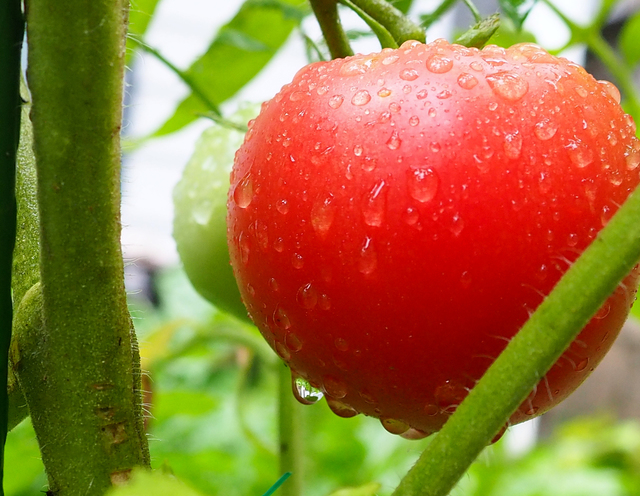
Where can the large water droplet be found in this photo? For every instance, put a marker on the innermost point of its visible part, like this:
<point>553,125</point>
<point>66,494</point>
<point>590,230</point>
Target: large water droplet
<point>632,156</point>
<point>394,141</point>
<point>394,426</point>
<point>368,260</point>
<point>545,129</point>
<point>375,205</point>
<point>297,261</point>
<point>508,85</point>
<point>611,90</point>
<point>467,81</point>
<point>322,215</point>
<point>513,145</point>
<point>580,154</point>
<point>293,342</point>
<point>307,297</point>
<point>414,120</point>
<point>282,206</point>
<point>335,101</point>
<point>439,64</point>
<point>391,59</point>
<point>334,387</point>
<point>356,66</point>
<point>422,184</point>
<point>384,92</point>
<point>243,193</point>
<point>409,74</point>
<point>304,392</point>
<point>340,409</point>
<point>281,319</point>
<point>361,97</point>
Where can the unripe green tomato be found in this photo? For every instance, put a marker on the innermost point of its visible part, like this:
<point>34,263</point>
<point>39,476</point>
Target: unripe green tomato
<point>200,209</point>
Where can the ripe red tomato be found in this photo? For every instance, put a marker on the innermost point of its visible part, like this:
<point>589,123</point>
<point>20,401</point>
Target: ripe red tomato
<point>395,218</point>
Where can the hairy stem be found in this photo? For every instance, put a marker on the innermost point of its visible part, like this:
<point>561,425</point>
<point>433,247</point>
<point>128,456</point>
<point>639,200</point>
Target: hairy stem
<point>529,355</point>
<point>11,34</point>
<point>290,431</point>
<point>84,401</point>
<point>326,12</point>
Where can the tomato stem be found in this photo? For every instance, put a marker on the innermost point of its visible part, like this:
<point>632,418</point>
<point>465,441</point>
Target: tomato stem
<point>89,370</point>
<point>393,20</point>
<point>11,34</point>
<point>290,434</point>
<point>326,12</point>
<point>529,355</point>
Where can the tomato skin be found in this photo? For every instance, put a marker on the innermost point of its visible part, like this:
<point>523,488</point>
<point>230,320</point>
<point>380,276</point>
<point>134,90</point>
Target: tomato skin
<point>395,218</point>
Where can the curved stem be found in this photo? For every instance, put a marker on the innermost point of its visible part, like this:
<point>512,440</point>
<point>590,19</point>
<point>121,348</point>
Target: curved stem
<point>384,37</point>
<point>399,26</point>
<point>89,369</point>
<point>326,12</point>
<point>290,433</point>
<point>11,34</point>
<point>529,355</point>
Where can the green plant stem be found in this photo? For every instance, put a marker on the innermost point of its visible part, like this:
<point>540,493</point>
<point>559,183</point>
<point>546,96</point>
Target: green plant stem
<point>85,401</point>
<point>11,34</point>
<point>529,355</point>
<point>326,12</point>
<point>429,19</point>
<point>399,26</point>
<point>290,433</point>
<point>384,37</point>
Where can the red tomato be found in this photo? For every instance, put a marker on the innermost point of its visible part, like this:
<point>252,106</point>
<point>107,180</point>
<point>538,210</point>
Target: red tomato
<point>395,218</point>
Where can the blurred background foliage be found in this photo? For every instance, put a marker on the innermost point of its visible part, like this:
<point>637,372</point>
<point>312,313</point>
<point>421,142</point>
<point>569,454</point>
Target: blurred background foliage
<point>211,388</point>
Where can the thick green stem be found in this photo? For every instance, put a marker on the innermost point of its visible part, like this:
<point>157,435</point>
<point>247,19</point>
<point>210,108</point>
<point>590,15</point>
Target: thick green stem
<point>401,27</point>
<point>326,12</point>
<point>290,432</point>
<point>85,404</point>
<point>11,34</point>
<point>529,355</point>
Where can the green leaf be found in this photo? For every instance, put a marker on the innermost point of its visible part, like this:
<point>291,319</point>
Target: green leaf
<point>145,483</point>
<point>628,40</point>
<point>478,35</point>
<point>517,10</point>
<point>240,50</point>
<point>140,15</point>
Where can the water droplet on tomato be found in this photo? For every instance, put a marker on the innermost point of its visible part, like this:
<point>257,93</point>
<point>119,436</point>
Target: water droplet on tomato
<point>603,311</point>
<point>431,410</point>
<point>422,94</point>
<point>580,154</point>
<point>368,261</point>
<point>334,387</point>
<point>375,205</point>
<point>324,302</point>
<point>465,280</point>
<point>322,215</point>
<point>281,318</point>
<point>384,92</point>
<point>545,129</point>
<point>340,409</point>
<point>394,107</point>
<point>605,215</point>
<point>582,364</point>
<point>444,94</point>
<point>449,395</point>
<point>467,81</point>
<point>616,177</point>
<point>297,261</point>
<point>297,96</point>
<point>532,410</point>
<point>278,245</point>
<point>355,66</point>
<point>368,397</point>
<point>422,184</point>
<point>512,145</point>
<point>581,91</point>
<point>282,206</point>
<point>357,150</point>
<point>476,66</point>
<point>274,285</point>
<point>243,193</point>
<point>391,59</point>
<point>307,297</point>
<point>282,351</point>
<point>632,156</point>
<point>439,64</point>
<point>245,247</point>
<point>394,426</point>
<point>508,85</point>
<point>293,342</point>
<point>414,120</point>
<point>457,225</point>
<point>361,97</point>
<point>394,141</point>
<point>411,216</point>
<point>499,435</point>
<point>304,392</point>
<point>414,434</point>
<point>409,74</point>
<point>335,101</point>
<point>341,344</point>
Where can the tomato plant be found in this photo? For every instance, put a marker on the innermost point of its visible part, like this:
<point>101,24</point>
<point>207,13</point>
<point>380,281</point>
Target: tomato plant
<point>394,219</point>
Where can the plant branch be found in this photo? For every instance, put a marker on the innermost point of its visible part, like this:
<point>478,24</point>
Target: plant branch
<point>83,386</point>
<point>11,34</point>
<point>529,355</point>
<point>290,433</point>
<point>326,12</point>
<point>393,20</point>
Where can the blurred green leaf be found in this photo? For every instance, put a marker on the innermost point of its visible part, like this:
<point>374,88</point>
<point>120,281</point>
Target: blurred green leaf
<point>145,483</point>
<point>140,15</point>
<point>402,5</point>
<point>517,10</point>
<point>23,470</point>
<point>628,40</point>
<point>240,50</point>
